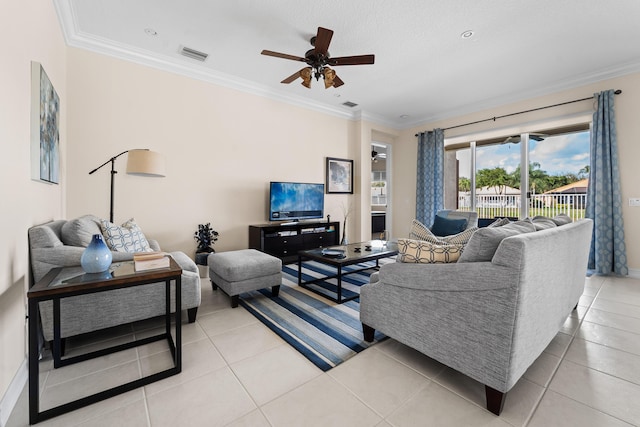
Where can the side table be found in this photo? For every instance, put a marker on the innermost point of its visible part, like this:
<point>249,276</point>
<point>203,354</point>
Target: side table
<point>71,281</point>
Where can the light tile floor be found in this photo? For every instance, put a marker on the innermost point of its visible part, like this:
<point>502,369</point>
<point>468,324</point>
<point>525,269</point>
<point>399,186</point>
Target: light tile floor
<point>236,372</point>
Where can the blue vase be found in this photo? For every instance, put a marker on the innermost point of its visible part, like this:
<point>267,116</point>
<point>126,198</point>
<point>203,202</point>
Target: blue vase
<point>97,257</point>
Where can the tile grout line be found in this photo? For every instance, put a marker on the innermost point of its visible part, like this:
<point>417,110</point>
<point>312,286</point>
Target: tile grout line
<point>562,359</point>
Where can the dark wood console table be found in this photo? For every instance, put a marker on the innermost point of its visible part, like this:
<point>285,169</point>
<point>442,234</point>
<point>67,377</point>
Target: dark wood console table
<point>284,241</point>
<point>71,281</point>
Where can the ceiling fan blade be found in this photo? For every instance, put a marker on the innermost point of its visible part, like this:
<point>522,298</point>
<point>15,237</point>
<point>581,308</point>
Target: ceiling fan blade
<point>282,55</point>
<point>292,77</point>
<point>352,60</point>
<point>337,81</point>
<point>321,44</point>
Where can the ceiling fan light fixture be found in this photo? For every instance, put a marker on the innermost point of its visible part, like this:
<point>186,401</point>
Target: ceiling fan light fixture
<point>329,75</point>
<point>305,74</point>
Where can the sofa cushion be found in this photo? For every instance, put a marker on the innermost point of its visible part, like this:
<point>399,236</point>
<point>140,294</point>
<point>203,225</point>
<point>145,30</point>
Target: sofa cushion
<point>417,251</point>
<point>446,227</point>
<point>126,238</point>
<point>79,231</point>
<point>485,241</point>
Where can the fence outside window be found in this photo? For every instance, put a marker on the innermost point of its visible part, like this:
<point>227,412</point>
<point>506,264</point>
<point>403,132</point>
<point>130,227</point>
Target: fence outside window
<point>490,206</point>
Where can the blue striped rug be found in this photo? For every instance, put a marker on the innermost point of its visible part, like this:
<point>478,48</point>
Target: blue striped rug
<point>325,332</point>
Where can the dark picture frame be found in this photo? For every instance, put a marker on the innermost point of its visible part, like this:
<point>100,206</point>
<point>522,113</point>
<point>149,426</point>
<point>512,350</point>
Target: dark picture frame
<point>45,127</point>
<point>339,176</point>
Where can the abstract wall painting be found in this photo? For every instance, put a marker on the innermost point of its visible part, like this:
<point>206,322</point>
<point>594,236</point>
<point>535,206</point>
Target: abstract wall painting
<point>45,127</point>
<point>339,176</point>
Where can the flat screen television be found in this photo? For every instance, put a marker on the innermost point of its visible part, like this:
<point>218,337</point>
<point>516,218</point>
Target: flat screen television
<point>294,201</point>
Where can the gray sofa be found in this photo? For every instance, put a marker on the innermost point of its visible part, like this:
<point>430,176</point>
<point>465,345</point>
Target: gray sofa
<point>61,243</point>
<point>488,319</point>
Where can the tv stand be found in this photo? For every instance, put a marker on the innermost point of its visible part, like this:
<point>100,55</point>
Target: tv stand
<point>284,240</point>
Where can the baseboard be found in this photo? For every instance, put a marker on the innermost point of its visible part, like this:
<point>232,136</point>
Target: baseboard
<point>635,273</point>
<point>12,395</point>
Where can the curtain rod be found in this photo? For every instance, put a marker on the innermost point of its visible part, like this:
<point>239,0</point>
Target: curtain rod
<point>617,92</point>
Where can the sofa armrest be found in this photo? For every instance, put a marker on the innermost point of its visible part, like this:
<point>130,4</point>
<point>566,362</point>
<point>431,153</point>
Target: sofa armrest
<point>448,277</point>
<point>154,245</point>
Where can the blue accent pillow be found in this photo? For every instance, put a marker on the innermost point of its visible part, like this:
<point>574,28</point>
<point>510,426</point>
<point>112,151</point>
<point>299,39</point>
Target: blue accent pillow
<point>446,227</point>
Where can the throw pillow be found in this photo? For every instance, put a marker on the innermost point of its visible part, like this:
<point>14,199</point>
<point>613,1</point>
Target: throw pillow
<point>543,222</point>
<point>127,238</point>
<point>446,227</point>
<point>499,222</point>
<point>484,242</point>
<point>419,231</point>
<point>416,251</point>
<point>80,231</point>
<point>562,219</point>
<point>460,238</point>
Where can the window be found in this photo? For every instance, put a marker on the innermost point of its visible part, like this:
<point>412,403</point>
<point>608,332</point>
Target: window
<point>490,179</point>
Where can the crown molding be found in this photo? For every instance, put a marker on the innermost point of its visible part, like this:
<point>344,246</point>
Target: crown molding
<point>76,38</point>
<point>567,84</point>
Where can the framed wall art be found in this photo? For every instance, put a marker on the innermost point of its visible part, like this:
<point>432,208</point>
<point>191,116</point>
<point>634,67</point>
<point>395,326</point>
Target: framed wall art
<point>339,176</point>
<point>45,127</point>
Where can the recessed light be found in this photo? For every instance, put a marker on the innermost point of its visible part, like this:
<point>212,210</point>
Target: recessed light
<point>337,95</point>
<point>404,116</point>
<point>467,34</point>
<point>150,32</point>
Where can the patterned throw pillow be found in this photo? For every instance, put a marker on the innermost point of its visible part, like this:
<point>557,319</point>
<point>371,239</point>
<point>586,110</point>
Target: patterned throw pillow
<point>419,231</point>
<point>416,251</point>
<point>460,238</point>
<point>127,238</point>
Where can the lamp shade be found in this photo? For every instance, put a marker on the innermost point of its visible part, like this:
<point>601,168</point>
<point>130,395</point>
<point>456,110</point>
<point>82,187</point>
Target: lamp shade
<point>145,163</point>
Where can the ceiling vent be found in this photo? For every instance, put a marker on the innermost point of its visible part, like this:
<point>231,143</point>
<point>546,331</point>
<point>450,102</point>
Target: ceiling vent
<point>193,54</point>
<point>349,104</point>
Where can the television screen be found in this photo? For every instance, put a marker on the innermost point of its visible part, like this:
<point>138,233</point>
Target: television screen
<point>292,201</point>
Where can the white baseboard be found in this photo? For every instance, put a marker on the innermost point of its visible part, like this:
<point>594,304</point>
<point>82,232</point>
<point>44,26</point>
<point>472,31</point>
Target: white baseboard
<point>634,273</point>
<point>12,395</point>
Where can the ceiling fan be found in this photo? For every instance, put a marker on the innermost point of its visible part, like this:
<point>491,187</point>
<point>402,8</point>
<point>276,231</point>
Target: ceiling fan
<point>514,139</point>
<point>319,60</point>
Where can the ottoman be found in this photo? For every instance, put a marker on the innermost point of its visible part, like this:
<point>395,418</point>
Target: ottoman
<point>243,271</point>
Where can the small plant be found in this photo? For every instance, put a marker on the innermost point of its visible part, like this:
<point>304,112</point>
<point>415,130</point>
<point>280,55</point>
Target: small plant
<point>206,237</point>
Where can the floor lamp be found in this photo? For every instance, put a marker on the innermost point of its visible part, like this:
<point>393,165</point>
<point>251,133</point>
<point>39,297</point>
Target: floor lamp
<point>142,162</point>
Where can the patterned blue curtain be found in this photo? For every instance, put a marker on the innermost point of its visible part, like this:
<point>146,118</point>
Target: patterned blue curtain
<point>604,200</point>
<point>430,181</point>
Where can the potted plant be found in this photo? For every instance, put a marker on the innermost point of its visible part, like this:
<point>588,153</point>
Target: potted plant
<point>206,237</point>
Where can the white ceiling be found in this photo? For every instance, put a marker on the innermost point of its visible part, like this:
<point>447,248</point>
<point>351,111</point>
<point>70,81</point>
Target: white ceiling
<point>424,70</point>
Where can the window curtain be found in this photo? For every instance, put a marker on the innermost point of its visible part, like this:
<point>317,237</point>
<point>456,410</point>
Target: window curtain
<point>604,200</point>
<point>430,179</point>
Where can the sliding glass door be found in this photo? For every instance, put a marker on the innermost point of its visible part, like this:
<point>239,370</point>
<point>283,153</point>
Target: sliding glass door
<point>492,180</point>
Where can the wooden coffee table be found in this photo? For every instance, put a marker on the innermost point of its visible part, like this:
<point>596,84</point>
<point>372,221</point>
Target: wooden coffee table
<point>354,253</point>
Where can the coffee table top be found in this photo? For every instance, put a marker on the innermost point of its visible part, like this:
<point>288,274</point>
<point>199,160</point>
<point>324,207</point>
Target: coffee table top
<point>352,253</point>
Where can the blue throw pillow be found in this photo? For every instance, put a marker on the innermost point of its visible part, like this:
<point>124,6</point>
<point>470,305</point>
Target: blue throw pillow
<point>446,227</point>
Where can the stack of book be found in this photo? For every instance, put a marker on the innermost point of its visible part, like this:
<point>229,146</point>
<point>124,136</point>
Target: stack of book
<point>144,261</point>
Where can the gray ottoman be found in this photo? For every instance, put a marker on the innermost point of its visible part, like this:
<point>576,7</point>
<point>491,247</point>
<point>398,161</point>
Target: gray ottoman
<point>243,271</point>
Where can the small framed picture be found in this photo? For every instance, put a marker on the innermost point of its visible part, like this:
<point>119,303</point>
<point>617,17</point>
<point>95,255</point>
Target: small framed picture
<point>339,176</point>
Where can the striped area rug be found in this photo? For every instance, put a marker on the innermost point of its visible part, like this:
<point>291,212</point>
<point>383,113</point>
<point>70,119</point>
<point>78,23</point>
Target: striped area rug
<point>325,332</point>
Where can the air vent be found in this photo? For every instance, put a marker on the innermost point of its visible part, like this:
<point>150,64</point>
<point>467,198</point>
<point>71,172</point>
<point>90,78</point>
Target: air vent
<point>193,54</point>
<point>349,104</point>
